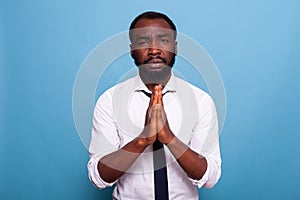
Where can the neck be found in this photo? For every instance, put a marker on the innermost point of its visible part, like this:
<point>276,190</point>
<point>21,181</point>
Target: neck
<point>151,82</point>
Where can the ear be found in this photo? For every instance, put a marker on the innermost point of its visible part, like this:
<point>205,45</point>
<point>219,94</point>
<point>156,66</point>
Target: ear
<point>131,50</point>
<point>175,48</point>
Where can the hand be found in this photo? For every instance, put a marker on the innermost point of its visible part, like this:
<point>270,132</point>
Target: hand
<point>150,127</point>
<point>156,122</point>
<point>164,133</point>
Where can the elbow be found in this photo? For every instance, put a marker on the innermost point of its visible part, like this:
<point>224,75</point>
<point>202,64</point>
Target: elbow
<point>214,179</point>
<point>94,176</point>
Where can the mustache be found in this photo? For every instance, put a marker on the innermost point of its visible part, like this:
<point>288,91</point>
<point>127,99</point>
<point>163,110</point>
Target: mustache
<point>157,57</point>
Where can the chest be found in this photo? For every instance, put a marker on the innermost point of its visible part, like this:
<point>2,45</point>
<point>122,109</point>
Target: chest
<point>136,112</point>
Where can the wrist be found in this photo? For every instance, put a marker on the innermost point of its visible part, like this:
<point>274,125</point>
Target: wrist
<point>141,142</point>
<point>168,138</point>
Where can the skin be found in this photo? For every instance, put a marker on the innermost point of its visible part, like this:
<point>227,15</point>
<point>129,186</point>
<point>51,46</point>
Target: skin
<point>153,50</point>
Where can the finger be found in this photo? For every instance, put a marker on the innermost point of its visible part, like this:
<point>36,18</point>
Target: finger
<point>158,121</point>
<point>148,115</point>
<point>161,118</point>
<point>151,100</point>
<point>159,90</point>
<point>154,113</point>
<point>149,110</point>
<point>153,122</point>
<point>155,95</point>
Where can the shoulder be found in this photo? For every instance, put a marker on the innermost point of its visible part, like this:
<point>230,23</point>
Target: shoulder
<point>107,97</point>
<point>199,94</point>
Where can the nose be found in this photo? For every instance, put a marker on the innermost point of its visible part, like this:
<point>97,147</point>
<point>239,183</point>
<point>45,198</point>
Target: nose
<point>154,51</point>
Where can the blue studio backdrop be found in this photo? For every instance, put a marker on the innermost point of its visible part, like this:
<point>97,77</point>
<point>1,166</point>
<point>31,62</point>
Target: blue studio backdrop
<point>255,45</point>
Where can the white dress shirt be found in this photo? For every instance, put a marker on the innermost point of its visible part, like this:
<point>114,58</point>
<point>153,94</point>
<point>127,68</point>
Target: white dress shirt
<point>119,117</point>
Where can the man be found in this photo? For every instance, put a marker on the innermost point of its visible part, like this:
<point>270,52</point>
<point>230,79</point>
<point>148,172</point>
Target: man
<point>172,146</point>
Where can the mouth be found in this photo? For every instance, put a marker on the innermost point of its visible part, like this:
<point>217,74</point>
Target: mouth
<point>156,60</point>
<point>157,66</point>
<point>155,63</point>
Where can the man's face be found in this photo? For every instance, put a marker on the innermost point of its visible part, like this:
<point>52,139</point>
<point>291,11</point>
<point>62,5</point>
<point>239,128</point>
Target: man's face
<point>153,46</point>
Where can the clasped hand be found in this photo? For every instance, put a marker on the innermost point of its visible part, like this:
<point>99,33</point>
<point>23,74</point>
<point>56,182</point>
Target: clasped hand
<point>156,122</point>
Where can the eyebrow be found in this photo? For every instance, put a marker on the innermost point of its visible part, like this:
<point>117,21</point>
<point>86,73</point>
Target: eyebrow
<point>163,35</point>
<point>143,37</point>
<point>147,37</point>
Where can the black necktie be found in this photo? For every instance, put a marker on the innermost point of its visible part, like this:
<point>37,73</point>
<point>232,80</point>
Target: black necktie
<point>160,169</point>
<point>160,172</point>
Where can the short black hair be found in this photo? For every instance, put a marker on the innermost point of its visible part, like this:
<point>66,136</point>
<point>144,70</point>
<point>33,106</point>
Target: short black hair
<point>152,15</point>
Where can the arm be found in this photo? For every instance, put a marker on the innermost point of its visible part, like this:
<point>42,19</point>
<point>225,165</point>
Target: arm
<point>189,158</point>
<point>112,166</point>
<point>192,163</point>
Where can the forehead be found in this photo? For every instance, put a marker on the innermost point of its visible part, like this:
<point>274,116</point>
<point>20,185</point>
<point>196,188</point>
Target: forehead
<point>152,27</point>
<point>160,23</point>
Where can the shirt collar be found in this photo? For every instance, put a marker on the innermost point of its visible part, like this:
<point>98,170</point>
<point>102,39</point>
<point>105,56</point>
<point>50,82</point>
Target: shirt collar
<point>170,86</point>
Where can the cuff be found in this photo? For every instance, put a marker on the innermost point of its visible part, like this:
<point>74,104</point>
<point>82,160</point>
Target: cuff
<point>95,176</point>
<point>210,177</point>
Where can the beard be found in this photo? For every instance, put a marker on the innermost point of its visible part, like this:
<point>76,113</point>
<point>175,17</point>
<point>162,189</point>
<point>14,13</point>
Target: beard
<point>154,76</point>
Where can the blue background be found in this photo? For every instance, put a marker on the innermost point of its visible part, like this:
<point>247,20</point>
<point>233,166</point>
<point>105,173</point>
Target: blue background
<point>254,44</point>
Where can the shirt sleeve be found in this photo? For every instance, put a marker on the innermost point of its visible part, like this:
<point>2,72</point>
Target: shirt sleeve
<point>205,141</point>
<point>104,139</point>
